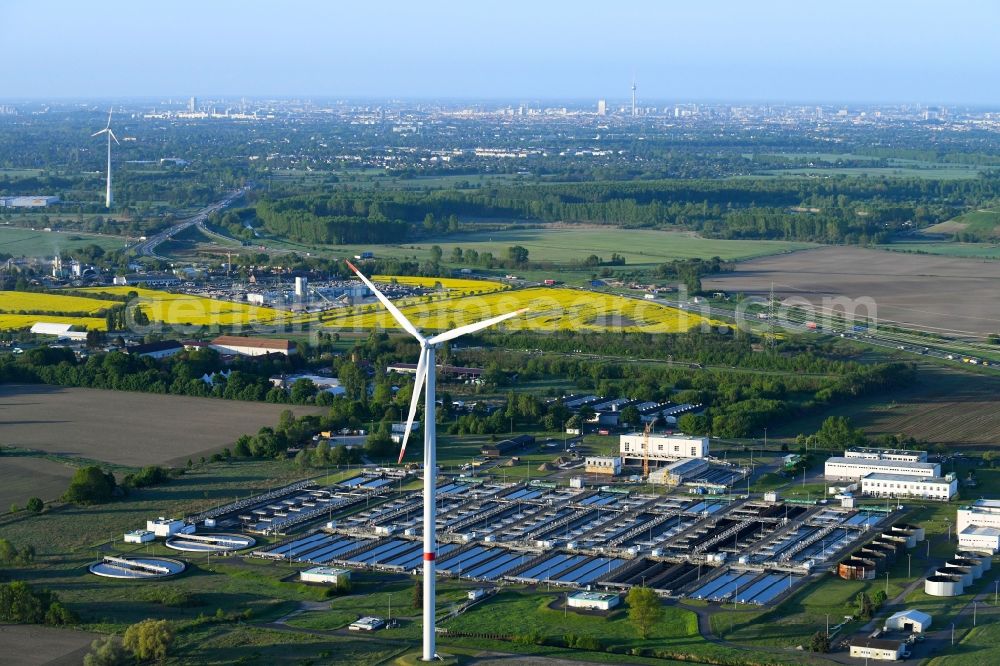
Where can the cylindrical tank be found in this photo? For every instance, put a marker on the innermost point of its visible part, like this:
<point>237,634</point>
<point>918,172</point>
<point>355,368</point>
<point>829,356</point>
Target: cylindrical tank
<point>964,573</point>
<point>908,535</point>
<point>856,568</point>
<point>917,530</point>
<point>880,559</point>
<point>985,561</point>
<point>972,565</point>
<point>890,548</point>
<point>943,586</point>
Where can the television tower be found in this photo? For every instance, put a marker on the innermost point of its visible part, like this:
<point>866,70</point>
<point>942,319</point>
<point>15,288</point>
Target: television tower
<point>634,111</point>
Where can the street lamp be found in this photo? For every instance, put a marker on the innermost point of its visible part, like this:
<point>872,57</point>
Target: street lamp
<point>907,565</point>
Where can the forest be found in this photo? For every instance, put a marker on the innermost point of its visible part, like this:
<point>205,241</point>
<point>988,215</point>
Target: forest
<point>835,210</point>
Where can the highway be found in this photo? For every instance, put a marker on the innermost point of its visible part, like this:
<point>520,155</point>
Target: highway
<point>147,248</point>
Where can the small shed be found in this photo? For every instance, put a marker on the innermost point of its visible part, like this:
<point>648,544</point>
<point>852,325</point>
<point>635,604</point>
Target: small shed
<point>909,620</point>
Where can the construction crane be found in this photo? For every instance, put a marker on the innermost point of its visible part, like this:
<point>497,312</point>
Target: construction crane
<point>645,448</point>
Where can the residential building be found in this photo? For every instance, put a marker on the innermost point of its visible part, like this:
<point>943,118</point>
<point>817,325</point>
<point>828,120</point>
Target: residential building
<point>234,344</point>
<point>662,448</point>
<point>903,485</point>
<point>854,469</point>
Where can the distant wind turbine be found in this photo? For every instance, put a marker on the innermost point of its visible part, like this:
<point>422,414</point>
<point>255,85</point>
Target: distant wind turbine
<point>111,135</point>
<point>425,374</point>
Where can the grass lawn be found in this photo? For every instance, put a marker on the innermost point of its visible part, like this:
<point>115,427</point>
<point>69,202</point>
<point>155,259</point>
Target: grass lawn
<point>520,612</point>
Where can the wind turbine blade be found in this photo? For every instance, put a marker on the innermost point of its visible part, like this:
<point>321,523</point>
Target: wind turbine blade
<point>112,135</point>
<point>418,386</point>
<point>110,109</point>
<point>472,328</point>
<point>99,133</point>
<point>393,310</point>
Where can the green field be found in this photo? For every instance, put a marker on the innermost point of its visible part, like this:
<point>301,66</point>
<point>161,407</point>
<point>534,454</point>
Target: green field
<point>21,242</point>
<point>641,248</point>
<point>961,250</point>
<point>981,224</point>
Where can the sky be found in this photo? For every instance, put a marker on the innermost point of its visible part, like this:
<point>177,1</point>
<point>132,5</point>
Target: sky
<point>932,52</point>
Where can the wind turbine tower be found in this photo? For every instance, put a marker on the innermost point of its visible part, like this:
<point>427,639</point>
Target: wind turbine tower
<point>111,135</point>
<point>425,375</point>
<point>635,112</point>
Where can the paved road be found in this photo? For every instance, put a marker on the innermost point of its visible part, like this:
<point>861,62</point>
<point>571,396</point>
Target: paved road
<point>147,248</point>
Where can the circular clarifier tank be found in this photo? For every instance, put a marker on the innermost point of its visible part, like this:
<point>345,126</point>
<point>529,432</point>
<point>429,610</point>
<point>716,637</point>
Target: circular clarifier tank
<point>137,568</point>
<point>210,543</point>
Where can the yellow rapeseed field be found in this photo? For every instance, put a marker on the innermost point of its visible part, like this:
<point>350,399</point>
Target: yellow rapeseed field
<point>12,322</point>
<point>550,309</point>
<point>168,308</point>
<point>456,285</point>
<point>25,301</point>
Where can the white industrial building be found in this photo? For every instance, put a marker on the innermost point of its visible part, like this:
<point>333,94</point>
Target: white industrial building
<point>593,600</point>
<point>854,469</point>
<point>398,430</point>
<point>869,453</point>
<point>234,344</point>
<point>329,575</point>
<point>158,349</point>
<point>902,485</point>
<point>879,649</point>
<point>611,465</point>
<point>139,536</point>
<point>909,620</point>
<point>28,202</point>
<point>58,330</point>
<point>329,384</point>
<point>978,526</point>
<point>166,527</point>
<point>301,286</point>
<point>662,447</point>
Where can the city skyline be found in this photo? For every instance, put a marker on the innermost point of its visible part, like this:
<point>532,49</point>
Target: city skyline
<point>718,51</point>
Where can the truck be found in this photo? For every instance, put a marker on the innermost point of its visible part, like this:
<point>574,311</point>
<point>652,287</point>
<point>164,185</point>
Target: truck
<point>811,325</point>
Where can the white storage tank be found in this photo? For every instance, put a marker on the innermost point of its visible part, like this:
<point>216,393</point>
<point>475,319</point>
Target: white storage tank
<point>964,573</point>
<point>985,561</point>
<point>943,586</point>
<point>972,565</point>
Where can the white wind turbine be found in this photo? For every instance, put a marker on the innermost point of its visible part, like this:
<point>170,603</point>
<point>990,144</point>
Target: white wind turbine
<point>111,135</point>
<point>425,374</point>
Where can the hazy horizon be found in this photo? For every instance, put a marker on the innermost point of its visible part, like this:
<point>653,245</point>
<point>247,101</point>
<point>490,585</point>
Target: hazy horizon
<point>853,53</point>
